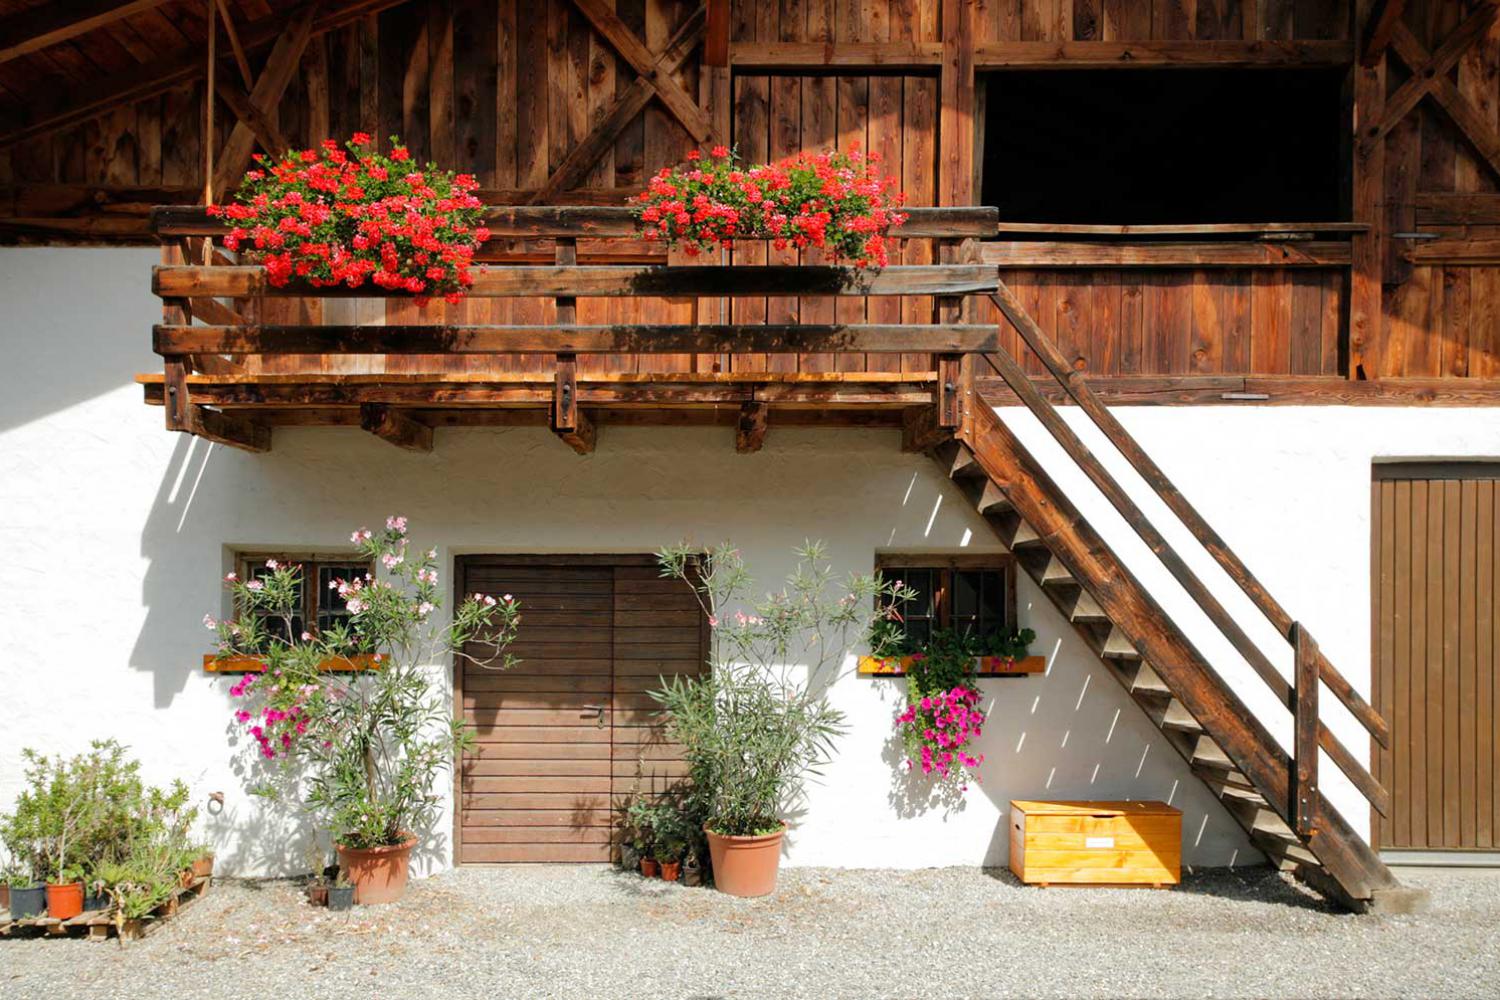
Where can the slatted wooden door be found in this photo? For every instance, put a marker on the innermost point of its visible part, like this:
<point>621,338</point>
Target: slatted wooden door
<point>570,727</point>
<point>1436,640</point>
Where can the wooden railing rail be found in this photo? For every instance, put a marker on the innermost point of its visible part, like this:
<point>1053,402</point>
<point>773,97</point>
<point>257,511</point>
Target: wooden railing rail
<point>1293,697</point>
<point>170,222</point>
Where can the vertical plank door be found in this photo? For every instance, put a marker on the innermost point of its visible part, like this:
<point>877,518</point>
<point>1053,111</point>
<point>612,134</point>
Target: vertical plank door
<point>571,729</point>
<point>1436,653</point>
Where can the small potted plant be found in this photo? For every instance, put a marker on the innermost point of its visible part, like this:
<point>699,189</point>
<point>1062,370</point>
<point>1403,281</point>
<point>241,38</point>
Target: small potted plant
<point>341,892</point>
<point>27,896</point>
<point>671,839</point>
<point>692,869</point>
<point>95,894</point>
<point>203,863</point>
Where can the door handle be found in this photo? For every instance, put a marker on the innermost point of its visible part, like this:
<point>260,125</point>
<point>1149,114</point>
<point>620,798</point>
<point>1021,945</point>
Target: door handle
<point>598,711</point>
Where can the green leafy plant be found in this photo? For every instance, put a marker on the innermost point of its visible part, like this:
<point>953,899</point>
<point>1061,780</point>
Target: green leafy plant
<point>757,722</point>
<point>362,748</point>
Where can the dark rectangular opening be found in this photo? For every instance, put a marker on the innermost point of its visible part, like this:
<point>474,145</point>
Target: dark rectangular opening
<point>1164,146</point>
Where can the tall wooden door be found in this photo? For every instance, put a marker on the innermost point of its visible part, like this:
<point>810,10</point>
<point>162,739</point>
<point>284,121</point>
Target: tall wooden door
<point>1436,644</point>
<point>570,730</point>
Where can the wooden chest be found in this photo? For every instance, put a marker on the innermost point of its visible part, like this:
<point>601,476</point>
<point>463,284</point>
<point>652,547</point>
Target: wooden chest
<point>1096,843</point>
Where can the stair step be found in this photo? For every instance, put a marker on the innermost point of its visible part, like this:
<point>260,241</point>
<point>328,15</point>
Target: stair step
<point>1217,777</point>
<point>1086,609</point>
<point>1147,681</point>
<point>1176,716</point>
<point>1278,850</point>
<point>993,500</point>
<point>1055,574</point>
<point>1207,753</point>
<point>1025,536</point>
<point>965,465</point>
<point>1260,818</point>
<point>1116,646</point>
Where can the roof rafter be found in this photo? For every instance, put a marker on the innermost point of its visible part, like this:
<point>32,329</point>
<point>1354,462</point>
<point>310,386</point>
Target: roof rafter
<point>53,23</point>
<point>88,100</point>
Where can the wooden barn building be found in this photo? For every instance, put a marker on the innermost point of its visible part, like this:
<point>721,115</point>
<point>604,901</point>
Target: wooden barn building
<point>1188,360</point>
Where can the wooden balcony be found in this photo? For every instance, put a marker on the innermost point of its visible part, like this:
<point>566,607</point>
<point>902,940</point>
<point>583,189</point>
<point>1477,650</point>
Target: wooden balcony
<point>573,322</point>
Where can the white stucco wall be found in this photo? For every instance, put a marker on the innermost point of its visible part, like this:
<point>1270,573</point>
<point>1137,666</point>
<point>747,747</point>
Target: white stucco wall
<point>115,534</point>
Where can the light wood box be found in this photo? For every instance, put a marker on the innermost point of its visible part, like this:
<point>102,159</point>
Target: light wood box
<point>1096,843</point>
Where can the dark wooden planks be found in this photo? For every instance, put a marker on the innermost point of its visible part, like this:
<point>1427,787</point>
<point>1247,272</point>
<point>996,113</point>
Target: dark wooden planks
<point>1435,568</point>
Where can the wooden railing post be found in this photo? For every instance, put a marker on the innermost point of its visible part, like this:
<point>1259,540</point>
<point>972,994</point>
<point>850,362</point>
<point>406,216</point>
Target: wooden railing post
<point>949,309</point>
<point>1305,733</point>
<point>568,421</point>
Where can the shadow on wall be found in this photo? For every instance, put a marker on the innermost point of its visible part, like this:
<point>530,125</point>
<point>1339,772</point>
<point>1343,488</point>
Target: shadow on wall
<point>46,312</point>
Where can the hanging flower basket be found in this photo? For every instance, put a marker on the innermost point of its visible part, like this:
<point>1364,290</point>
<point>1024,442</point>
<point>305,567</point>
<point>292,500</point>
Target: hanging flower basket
<point>837,202</point>
<point>351,215</point>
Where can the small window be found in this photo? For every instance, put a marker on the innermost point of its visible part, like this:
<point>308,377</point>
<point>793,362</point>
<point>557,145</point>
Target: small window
<point>318,603</point>
<point>973,595</point>
<point>1164,146</point>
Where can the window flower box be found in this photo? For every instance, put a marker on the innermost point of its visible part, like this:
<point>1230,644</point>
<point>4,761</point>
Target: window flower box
<point>984,666</point>
<point>251,665</point>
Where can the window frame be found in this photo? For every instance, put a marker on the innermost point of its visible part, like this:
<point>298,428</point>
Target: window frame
<point>310,561</point>
<point>946,565</point>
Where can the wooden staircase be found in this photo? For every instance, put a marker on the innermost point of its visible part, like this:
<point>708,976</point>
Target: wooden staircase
<point>1274,795</point>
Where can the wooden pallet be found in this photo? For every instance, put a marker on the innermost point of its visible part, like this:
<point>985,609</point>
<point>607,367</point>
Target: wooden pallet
<point>100,925</point>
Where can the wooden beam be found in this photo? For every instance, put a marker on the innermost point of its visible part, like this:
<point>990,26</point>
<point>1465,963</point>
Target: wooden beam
<point>624,41</point>
<point>912,338</point>
<point>240,59</point>
<point>1286,229</point>
<point>392,425</point>
<point>1456,208</point>
<point>191,281</point>
<point>1060,253</point>
<point>226,429</point>
<point>1223,54</point>
<point>576,165</point>
<point>510,220</point>
<point>716,38</point>
<point>750,431</point>
<point>956,104</point>
<point>280,66</point>
<point>1383,18</point>
<point>92,98</point>
<point>895,55</point>
<point>1455,253</point>
<point>262,124</point>
<point>1366,313</point>
<point>1264,390</point>
<point>582,437</point>
<point>50,24</point>
<point>1470,121</point>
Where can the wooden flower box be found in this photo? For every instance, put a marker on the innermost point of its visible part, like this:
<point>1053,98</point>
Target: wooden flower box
<point>984,666</point>
<point>252,665</point>
<point>1096,843</point>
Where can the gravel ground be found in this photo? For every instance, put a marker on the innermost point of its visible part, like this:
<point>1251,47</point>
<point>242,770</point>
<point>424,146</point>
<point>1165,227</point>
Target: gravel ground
<point>577,931</point>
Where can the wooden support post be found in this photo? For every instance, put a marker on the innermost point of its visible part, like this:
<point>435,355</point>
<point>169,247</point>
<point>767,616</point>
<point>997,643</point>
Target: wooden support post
<point>568,421</point>
<point>750,432</point>
<point>175,366</point>
<point>716,40</point>
<point>395,427</point>
<point>1304,813</point>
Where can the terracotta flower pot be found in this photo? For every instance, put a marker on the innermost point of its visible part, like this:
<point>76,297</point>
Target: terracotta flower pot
<point>5,896</point>
<point>745,866</point>
<point>650,868</point>
<point>317,894</point>
<point>671,870</point>
<point>64,902</point>
<point>204,866</point>
<point>185,878</point>
<point>379,873</point>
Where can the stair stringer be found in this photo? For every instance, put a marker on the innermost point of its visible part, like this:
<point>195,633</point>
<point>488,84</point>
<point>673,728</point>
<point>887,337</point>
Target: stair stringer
<point>1035,513</point>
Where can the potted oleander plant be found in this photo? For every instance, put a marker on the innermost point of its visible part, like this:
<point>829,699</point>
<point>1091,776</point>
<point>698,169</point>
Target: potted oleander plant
<point>361,749</point>
<point>757,723</point>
